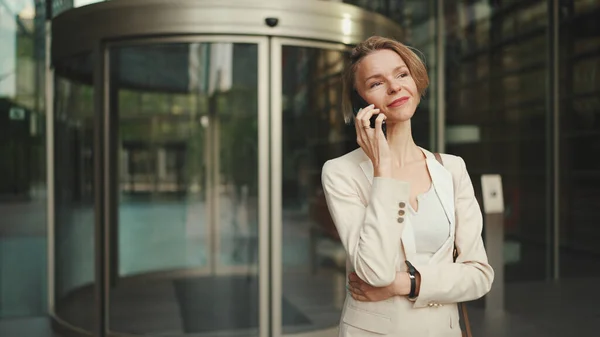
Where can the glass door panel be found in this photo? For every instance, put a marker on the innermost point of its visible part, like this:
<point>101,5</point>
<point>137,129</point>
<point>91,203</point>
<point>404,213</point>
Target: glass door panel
<point>187,255</point>
<point>74,193</point>
<point>312,258</point>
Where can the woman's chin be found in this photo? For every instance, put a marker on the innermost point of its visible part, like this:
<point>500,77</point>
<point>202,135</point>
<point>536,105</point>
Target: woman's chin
<point>399,115</point>
<point>398,118</point>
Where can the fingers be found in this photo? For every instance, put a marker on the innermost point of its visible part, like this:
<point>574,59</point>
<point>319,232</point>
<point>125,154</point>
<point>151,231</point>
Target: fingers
<point>359,297</point>
<point>364,115</point>
<point>362,124</point>
<point>379,122</point>
<point>354,282</point>
<point>359,130</point>
<point>361,113</point>
<point>356,293</point>
<point>372,140</point>
<point>356,287</point>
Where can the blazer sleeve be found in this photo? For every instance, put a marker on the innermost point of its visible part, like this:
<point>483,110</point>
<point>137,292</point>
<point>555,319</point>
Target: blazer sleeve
<point>369,233</point>
<point>471,276</point>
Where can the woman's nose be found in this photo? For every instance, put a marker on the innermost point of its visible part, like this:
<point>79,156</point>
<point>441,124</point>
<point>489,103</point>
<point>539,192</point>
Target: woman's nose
<point>394,87</point>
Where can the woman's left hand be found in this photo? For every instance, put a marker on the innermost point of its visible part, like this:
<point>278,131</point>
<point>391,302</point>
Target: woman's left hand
<point>362,291</point>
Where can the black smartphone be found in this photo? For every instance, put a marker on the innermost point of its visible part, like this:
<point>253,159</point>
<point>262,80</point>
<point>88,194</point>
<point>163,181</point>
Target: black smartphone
<point>358,103</point>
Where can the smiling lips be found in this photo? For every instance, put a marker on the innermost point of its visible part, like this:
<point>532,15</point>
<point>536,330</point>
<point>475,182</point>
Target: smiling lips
<point>400,101</point>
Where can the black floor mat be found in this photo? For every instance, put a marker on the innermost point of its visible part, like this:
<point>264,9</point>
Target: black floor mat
<point>225,303</point>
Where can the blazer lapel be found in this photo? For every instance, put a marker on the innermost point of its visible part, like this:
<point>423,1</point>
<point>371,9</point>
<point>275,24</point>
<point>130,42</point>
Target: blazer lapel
<point>442,182</point>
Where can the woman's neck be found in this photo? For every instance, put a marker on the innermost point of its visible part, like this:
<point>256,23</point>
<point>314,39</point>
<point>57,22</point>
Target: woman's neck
<point>403,147</point>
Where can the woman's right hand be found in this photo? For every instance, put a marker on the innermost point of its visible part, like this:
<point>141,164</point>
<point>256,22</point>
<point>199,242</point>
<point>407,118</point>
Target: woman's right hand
<point>364,292</point>
<point>373,141</point>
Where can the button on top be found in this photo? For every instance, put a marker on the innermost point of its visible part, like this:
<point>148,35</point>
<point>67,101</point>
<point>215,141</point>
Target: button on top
<point>402,204</point>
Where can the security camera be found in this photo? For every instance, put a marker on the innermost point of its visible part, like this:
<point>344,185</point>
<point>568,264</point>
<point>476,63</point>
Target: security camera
<point>271,22</point>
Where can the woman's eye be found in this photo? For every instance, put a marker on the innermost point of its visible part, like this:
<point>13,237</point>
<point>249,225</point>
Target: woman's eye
<point>402,74</point>
<point>375,84</point>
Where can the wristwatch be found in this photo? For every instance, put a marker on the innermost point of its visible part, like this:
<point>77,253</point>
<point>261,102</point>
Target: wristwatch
<point>413,281</point>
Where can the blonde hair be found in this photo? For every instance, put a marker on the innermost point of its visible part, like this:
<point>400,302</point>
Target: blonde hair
<point>415,65</point>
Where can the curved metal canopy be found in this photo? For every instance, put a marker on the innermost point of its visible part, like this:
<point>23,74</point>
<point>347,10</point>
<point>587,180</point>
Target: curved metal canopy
<point>79,30</point>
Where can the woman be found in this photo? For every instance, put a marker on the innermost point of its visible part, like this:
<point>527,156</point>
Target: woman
<point>398,211</point>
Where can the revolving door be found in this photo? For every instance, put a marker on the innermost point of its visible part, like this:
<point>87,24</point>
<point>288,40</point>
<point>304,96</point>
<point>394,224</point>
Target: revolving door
<point>188,142</point>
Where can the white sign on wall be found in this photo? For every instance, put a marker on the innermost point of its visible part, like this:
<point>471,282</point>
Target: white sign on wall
<point>16,114</point>
<point>493,198</point>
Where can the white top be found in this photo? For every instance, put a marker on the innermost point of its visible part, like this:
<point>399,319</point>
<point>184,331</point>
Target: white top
<point>430,225</point>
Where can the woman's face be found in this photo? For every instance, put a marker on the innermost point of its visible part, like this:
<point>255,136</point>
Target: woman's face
<point>382,78</point>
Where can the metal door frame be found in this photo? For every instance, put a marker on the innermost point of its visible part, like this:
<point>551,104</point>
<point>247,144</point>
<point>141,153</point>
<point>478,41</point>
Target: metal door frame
<point>109,204</point>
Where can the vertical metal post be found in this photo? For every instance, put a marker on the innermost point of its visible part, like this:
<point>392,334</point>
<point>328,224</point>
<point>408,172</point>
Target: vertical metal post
<point>99,59</point>
<point>216,162</point>
<point>212,185</point>
<point>276,186</point>
<point>439,121</point>
<point>111,87</point>
<point>494,242</point>
<point>263,190</point>
<point>553,144</point>
<point>493,205</point>
<point>50,204</point>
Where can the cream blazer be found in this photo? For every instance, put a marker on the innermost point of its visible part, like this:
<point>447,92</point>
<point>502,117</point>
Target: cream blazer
<point>378,240</point>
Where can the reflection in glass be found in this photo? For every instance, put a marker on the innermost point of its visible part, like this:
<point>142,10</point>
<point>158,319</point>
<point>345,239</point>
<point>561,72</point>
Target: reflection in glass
<point>74,200</point>
<point>313,132</point>
<point>580,139</point>
<point>188,177</point>
<point>23,189</point>
<point>495,72</point>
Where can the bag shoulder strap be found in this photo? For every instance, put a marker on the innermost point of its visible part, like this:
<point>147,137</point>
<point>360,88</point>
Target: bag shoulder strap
<point>438,157</point>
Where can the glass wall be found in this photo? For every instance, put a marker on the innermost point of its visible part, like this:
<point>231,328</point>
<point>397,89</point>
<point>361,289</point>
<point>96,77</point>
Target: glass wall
<point>496,116</point>
<point>579,80</point>
<point>22,161</point>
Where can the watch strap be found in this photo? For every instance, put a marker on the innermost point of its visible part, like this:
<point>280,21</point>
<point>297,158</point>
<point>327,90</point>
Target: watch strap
<point>413,282</point>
